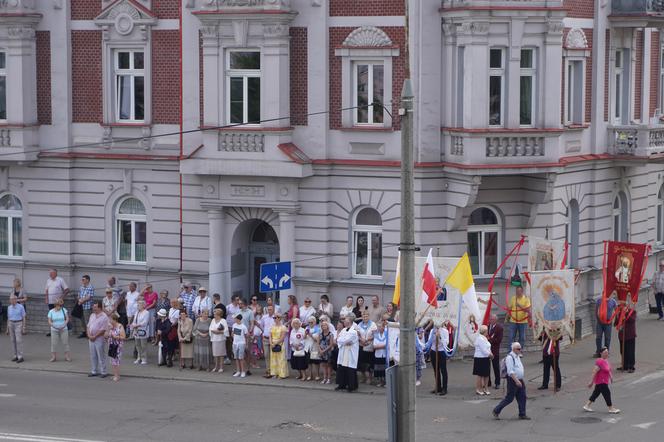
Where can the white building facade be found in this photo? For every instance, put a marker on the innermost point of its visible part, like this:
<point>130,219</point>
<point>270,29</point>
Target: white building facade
<point>194,140</point>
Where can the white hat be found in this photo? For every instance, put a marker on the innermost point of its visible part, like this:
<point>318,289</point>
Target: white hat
<point>202,289</point>
<point>162,312</point>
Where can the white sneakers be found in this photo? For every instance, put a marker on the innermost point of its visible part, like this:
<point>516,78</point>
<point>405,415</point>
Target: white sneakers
<point>243,374</point>
<point>236,374</point>
<point>587,408</point>
<point>137,361</point>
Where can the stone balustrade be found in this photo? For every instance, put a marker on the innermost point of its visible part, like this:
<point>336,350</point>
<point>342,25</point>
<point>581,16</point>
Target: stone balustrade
<point>241,141</point>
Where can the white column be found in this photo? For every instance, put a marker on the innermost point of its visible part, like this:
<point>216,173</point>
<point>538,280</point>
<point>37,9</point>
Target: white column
<point>216,259</point>
<point>287,250</point>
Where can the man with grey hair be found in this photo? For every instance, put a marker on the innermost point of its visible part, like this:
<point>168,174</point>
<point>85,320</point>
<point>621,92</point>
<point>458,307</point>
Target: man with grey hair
<point>16,327</point>
<point>658,288</point>
<point>495,337</point>
<point>516,386</point>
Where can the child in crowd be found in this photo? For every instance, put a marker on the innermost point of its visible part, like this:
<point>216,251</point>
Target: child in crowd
<point>257,338</point>
<point>239,346</point>
<point>419,355</point>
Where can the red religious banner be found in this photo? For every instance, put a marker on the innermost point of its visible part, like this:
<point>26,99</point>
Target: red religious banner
<point>624,267</point>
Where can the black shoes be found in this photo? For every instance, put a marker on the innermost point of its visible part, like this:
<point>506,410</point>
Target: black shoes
<point>82,335</point>
<point>14,359</point>
<point>19,360</point>
<point>543,387</point>
<point>442,393</point>
<point>496,416</point>
<point>92,375</point>
<point>104,376</point>
<point>524,418</point>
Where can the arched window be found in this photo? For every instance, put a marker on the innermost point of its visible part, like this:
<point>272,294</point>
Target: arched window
<point>620,232</point>
<point>367,243</point>
<point>131,231</point>
<point>484,241</point>
<point>572,233</point>
<point>660,215</point>
<point>11,226</point>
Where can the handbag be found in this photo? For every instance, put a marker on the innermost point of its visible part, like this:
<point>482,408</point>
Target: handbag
<point>113,350</point>
<point>276,348</point>
<point>77,311</point>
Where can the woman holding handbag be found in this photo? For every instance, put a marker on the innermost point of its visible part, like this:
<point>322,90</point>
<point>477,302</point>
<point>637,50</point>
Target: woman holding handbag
<point>278,365</point>
<point>116,337</point>
<point>218,334</point>
<point>299,353</point>
<point>139,329</point>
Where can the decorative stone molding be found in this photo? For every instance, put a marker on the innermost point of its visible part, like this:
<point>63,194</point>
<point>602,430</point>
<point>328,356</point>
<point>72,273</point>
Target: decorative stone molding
<point>473,28</point>
<point>367,36</point>
<point>21,33</point>
<point>275,30</point>
<point>555,27</point>
<point>241,32</point>
<point>576,39</point>
<point>123,18</point>
<point>17,5</point>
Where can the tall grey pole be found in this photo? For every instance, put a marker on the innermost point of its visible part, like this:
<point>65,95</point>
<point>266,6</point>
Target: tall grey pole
<point>406,374</point>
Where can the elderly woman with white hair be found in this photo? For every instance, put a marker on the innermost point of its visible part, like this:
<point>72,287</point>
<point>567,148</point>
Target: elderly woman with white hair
<point>482,361</point>
<point>299,354</point>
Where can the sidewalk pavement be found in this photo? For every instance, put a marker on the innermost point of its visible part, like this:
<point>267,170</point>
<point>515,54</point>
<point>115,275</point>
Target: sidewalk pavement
<point>576,365</point>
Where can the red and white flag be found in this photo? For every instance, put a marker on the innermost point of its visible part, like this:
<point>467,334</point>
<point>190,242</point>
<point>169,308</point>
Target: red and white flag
<point>429,284</point>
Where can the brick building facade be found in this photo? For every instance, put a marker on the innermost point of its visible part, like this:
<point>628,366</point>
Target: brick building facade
<point>169,140</point>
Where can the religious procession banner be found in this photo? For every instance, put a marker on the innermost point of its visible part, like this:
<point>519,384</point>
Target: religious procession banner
<point>449,305</point>
<point>545,254</point>
<point>553,303</point>
<point>624,267</point>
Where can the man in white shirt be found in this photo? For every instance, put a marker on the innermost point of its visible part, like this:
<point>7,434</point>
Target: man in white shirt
<point>233,309</point>
<point>266,323</point>
<point>240,333</point>
<point>306,310</point>
<point>56,289</point>
<point>346,309</point>
<point>439,341</point>
<point>516,386</point>
<point>202,302</point>
<point>132,301</point>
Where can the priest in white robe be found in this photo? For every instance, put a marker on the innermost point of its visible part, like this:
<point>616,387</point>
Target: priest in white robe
<point>349,347</point>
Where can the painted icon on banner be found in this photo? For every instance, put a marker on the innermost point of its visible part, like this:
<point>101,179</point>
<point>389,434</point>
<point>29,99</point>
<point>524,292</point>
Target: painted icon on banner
<point>552,295</point>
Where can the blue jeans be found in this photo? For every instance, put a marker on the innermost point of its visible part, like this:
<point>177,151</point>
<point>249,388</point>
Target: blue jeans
<point>659,297</point>
<point>512,393</point>
<point>603,330</point>
<point>521,330</point>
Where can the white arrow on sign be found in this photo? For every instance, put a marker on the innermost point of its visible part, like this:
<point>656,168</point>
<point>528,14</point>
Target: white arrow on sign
<point>268,282</point>
<point>284,279</point>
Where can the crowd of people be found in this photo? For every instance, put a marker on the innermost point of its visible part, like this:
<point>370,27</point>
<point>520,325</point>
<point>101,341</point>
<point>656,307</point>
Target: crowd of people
<point>307,341</point>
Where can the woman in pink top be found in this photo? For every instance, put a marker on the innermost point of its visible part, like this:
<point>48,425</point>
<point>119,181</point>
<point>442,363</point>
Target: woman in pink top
<point>601,380</point>
<point>151,297</point>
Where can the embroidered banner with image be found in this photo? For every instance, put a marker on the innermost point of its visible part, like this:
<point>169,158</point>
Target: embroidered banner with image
<point>545,254</point>
<point>624,268</point>
<point>553,303</point>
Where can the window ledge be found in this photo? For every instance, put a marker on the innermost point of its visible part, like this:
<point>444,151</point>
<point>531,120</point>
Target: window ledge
<point>367,129</point>
<point>130,264</point>
<point>376,280</point>
<point>17,126</point>
<point>571,127</point>
<point>125,124</point>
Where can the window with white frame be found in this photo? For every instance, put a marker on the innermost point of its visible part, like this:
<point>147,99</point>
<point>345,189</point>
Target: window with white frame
<point>572,233</point>
<point>131,232</point>
<point>527,84</point>
<point>619,217</point>
<point>496,86</point>
<point>660,215</point>
<point>3,86</point>
<point>243,86</point>
<point>620,86</point>
<point>367,243</point>
<point>484,236</point>
<point>369,87</point>
<point>574,92</point>
<point>129,84</point>
<point>11,227</point>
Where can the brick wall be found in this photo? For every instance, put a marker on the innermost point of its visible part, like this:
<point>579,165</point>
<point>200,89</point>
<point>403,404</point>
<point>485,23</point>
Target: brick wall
<point>166,8</point>
<point>655,54</point>
<point>87,100</point>
<point>336,38</point>
<point>580,8</point>
<point>589,77</point>
<point>43,77</point>
<point>85,9</point>
<point>606,74</point>
<point>299,65</point>
<point>349,8</point>
<point>165,77</point>
<point>638,74</point>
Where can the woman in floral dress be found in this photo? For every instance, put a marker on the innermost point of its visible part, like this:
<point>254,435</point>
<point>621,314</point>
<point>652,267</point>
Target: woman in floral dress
<point>116,337</point>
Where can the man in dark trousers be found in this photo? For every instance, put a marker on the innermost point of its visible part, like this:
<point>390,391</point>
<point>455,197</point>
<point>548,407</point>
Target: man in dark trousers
<point>495,338</point>
<point>551,359</point>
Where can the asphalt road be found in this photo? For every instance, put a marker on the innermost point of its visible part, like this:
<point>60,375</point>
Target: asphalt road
<point>47,407</point>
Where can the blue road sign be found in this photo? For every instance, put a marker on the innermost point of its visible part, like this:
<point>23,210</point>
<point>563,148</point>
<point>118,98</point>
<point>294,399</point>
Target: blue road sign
<point>275,276</point>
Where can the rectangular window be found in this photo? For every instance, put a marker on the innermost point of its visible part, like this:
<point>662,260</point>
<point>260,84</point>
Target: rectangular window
<point>11,244</point>
<point>368,253</point>
<point>574,93</point>
<point>129,74</point>
<point>369,93</point>
<point>3,86</point>
<point>496,86</point>
<point>131,241</point>
<point>483,252</point>
<point>618,86</point>
<point>526,87</point>
<point>244,87</point>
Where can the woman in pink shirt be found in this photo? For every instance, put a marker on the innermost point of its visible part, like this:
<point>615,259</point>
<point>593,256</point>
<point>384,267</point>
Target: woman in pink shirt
<point>150,297</point>
<point>601,380</point>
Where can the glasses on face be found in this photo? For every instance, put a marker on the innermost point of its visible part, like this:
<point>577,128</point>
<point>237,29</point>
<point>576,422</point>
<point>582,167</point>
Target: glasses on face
<point>307,302</point>
<point>254,299</point>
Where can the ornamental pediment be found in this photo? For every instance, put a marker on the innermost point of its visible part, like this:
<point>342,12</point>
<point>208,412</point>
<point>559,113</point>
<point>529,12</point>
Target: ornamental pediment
<point>368,37</point>
<point>124,16</point>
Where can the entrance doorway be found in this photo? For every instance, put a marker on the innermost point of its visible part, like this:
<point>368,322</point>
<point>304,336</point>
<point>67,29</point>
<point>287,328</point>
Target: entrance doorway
<point>263,248</point>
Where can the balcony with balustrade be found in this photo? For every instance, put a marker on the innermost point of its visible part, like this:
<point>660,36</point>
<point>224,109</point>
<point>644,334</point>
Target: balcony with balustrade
<point>501,4</point>
<point>491,148</point>
<point>637,13</point>
<point>637,141</point>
